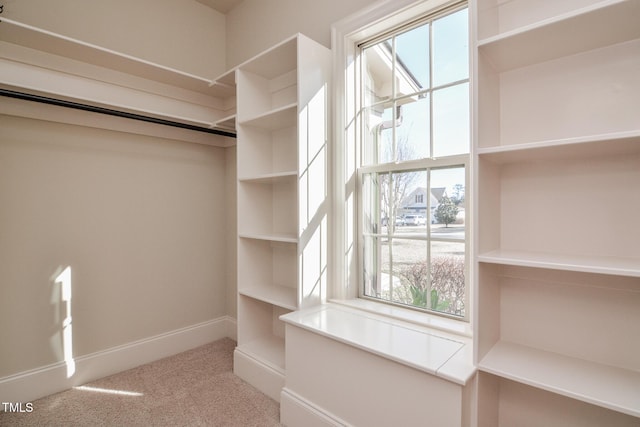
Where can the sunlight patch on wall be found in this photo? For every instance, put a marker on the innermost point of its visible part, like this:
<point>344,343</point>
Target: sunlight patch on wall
<point>313,198</point>
<point>64,279</point>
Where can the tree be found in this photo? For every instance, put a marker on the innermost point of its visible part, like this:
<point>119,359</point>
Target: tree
<point>394,187</point>
<point>446,212</point>
<point>458,194</point>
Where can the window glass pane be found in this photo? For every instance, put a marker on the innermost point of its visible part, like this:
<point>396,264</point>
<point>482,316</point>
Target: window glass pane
<point>413,133</point>
<point>372,198</point>
<point>413,214</point>
<point>410,189</point>
<point>447,203</point>
<point>385,138</point>
<point>385,288</point>
<point>371,261</point>
<point>378,135</point>
<point>451,120</point>
<point>451,48</point>
<point>412,61</point>
<point>402,265</point>
<point>409,273</point>
<point>448,278</point>
<point>385,209</point>
<point>376,73</point>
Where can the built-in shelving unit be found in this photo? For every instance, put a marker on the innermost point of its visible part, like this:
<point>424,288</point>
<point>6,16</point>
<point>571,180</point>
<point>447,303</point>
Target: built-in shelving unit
<point>557,161</point>
<point>138,86</point>
<point>539,36</point>
<point>277,240</point>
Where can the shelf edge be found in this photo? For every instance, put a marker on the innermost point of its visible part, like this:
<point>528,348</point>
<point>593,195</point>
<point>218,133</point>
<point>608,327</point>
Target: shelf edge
<point>532,355</point>
<point>570,263</point>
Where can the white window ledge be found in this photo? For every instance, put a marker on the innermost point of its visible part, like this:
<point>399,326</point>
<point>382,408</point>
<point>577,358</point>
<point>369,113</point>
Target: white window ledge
<point>420,318</point>
<point>434,351</point>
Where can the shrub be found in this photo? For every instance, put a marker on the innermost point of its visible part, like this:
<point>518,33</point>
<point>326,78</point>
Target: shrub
<point>447,284</point>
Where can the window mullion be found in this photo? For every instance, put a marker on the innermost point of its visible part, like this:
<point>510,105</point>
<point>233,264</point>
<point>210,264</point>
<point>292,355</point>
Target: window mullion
<point>445,162</point>
<point>393,214</point>
<point>428,214</point>
<point>394,110</point>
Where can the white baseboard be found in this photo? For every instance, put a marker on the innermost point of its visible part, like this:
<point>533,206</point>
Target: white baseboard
<point>260,375</point>
<point>297,411</point>
<point>43,381</point>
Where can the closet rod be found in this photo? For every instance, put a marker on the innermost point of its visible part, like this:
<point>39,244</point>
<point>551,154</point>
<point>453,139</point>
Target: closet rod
<point>108,111</point>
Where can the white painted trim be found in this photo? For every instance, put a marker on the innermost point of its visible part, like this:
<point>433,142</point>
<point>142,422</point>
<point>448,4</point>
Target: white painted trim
<point>257,373</point>
<point>295,411</point>
<point>45,380</point>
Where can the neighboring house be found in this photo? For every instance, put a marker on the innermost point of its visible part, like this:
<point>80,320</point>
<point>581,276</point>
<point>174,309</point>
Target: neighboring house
<point>416,201</point>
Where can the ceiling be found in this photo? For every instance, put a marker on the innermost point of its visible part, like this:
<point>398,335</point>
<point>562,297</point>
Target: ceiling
<point>222,6</point>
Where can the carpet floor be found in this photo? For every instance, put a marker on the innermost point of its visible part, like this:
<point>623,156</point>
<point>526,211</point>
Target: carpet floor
<point>194,388</point>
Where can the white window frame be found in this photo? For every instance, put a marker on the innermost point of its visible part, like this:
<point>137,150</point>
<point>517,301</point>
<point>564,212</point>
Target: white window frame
<point>345,271</point>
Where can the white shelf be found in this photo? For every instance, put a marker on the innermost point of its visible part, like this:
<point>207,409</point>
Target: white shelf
<point>547,103</point>
<point>282,296</point>
<point>278,118</point>
<point>28,36</point>
<point>610,387</point>
<point>605,23</point>
<point>264,153</point>
<point>270,178</point>
<point>589,264</point>
<point>284,238</point>
<point>268,206</point>
<point>275,61</point>
<point>561,200</point>
<point>568,148</point>
<point>268,350</point>
<point>228,122</point>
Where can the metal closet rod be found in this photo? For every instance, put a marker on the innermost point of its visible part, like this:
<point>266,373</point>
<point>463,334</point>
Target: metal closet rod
<point>101,110</point>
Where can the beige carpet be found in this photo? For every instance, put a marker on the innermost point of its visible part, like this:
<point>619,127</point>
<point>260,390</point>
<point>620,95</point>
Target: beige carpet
<point>194,388</point>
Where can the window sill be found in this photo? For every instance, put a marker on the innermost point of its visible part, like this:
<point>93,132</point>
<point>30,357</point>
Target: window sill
<point>443,354</point>
<point>432,321</point>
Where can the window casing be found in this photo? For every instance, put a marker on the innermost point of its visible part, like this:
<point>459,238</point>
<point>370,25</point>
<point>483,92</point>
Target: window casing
<point>412,106</point>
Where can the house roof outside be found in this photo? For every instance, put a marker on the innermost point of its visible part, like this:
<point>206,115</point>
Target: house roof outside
<point>411,200</point>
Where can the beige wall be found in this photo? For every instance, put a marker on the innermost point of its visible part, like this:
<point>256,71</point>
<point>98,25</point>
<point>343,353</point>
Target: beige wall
<point>183,35</point>
<point>140,221</point>
<point>147,225</point>
<point>256,25</point>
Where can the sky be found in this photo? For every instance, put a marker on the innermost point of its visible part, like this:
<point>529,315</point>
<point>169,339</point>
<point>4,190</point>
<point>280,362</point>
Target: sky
<point>451,127</point>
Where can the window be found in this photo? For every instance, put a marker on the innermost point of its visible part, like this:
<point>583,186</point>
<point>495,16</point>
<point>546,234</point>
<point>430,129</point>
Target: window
<point>414,141</point>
